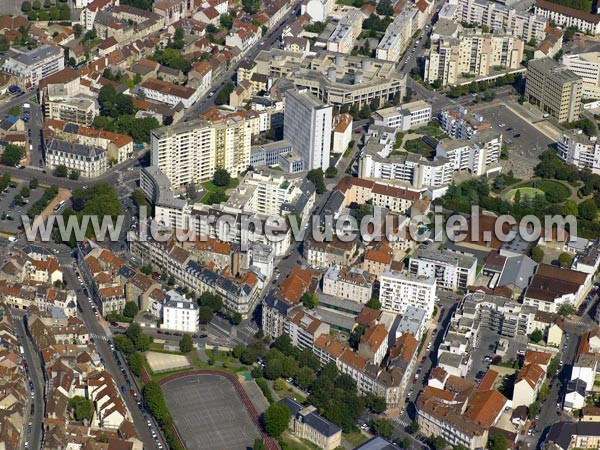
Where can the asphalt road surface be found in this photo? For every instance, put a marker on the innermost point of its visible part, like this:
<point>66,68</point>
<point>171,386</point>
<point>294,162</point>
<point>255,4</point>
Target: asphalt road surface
<point>100,339</point>
<point>35,374</point>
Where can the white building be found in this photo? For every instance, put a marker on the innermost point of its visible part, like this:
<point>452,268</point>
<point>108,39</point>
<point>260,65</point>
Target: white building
<point>89,161</point>
<point>475,156</point>
<point>451,270</point>
<point>399,290</point>
<point>342,133</point>
<point>341,40</point>
<point>180,314</point>
<point>580,150</point>
<point>568,17</point>
<point>307,124</point>
<point>31,67</point>
<point>498,17</point>
<point>318,10</point>
<point>587,67</point>
<point>405,117</point>
<point>169,93</point>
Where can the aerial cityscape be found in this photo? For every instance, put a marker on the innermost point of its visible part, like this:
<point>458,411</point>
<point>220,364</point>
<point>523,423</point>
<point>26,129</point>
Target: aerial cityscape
<point>299,224</point>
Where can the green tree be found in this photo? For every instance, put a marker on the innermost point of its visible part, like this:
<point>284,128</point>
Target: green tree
<point>588,209</point>
<point>310,300</point>
<point>305,377</point>
<point>130,310</point>
<point>33,183</point>
<point>107,98</point>
<point>283,343</point>
<point>355,336</point>
<point>80,408</point>
<point>565,259</point>
<point>383,427</point>
<point>385,8</point>
<point>331,172</point>
<point>373,303</point>
<point>536,336</point>
<point>61,171</point>
<point>316,177</point>
<point>537,254</point>
<point>566,310</point>
<point>74,174</point>
<point>37,5</point>
<point>273,369</point>
<point>136,363</point>
<point>124,105</point>
<point>26,6</point>
<point>221,178</point>
<point>205,314</point>
<point>78,30</point>
<point>277,419</point>
<point>544,393</point>
<point>259,444</point>
<point>412,427</point>
<point>186,344</point>
<point>534,410</point>
<point>12,155</point>
<point>124,344</point>
<point>210,300</point>
<point>553,367</point>
<point>438,442</point>
<point>375,403</point>
<point>570,208</point>
<point>497,442</point>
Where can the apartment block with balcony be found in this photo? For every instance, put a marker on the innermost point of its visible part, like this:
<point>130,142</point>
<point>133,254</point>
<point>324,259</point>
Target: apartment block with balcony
<point>579,150</point>
<point>348,283</point>
<point>451,270</point>
<point>587,67</point>
<point>32,66</point>
<point>399,290</point>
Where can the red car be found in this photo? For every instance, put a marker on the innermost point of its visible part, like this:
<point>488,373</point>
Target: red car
<point>133,393</point>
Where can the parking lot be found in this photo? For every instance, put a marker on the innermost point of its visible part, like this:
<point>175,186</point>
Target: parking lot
<point>487,343</point>
<point>14,212</point>
<point>209,414</point>
<point>525,142</point>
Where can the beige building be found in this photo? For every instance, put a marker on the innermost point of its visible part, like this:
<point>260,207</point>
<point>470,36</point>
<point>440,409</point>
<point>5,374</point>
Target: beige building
<point>528,383</point>
<point>554,89</point>
<point>472,52</point>
<point>190,152</point>
<point>348,283</point>
<point>307,424</point>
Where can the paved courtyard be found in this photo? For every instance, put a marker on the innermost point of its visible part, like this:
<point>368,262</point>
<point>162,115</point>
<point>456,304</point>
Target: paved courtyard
<point>209,414</point>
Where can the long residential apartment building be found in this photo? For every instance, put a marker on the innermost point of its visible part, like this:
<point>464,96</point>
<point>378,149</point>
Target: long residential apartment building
<point>580,150</point>
<point>499,17</point>
<point>587,67</point>
<point>471,52</point>
<point>405,117</point>
<point>190,152</point>
<point>32,66</point>
<point>554,89</point>
<point>569,17</point>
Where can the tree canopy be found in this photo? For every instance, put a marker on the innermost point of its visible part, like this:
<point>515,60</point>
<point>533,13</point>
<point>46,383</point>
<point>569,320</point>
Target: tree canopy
<point>277,418</point>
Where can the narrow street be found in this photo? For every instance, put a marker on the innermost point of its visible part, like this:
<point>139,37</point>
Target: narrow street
<point>36,376</point>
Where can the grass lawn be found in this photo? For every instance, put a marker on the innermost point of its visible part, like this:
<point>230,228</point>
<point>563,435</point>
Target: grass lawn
<point>290,393</point>
<point>289,442</point>
<point>548,186</point>
<point>216,194</point>
<point>431,131</point>
<point>419,147</point>
<point>524,191</point>
<point>355,438</point>
<point>345,2</point>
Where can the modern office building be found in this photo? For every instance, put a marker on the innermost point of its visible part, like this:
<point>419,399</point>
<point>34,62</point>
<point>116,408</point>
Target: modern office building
<point>307,124</point>
<point>405,117</point>
<point>554,89</point>
<point>451,270</point>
